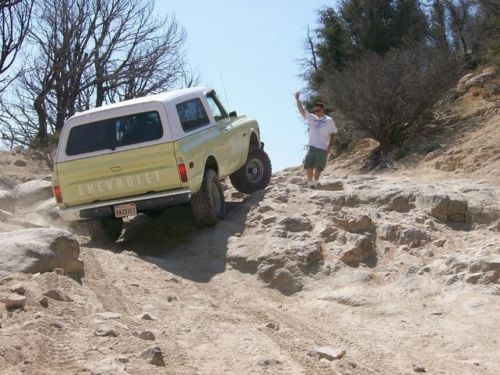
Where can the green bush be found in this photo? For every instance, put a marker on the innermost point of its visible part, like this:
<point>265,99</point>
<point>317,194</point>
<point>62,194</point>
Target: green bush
<point>389,97</point>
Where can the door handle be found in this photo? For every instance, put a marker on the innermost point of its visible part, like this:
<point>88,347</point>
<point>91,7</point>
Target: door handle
<point>116,169</point>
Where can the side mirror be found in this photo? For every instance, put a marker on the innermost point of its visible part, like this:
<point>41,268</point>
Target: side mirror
<point>233,114</point>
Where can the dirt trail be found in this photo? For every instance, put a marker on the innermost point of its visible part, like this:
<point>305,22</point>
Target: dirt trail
<point>215,311</point>
<point>400,269</point>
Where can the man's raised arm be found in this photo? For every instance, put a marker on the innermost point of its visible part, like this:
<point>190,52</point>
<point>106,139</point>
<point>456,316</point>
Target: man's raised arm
<point>299,105</point>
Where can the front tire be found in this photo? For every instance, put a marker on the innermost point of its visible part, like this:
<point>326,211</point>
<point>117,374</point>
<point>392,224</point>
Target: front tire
<point>255,174</point>
<point>208,205</point>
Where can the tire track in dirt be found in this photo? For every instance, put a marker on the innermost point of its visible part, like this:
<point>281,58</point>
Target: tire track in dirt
<point>111,298</point>
<point>361,352</point>
<point>302,336</point>
<point>116,298</point>
<point>58,336</point>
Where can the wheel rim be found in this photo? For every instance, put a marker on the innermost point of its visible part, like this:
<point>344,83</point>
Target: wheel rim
<point>254,171</point>
<point>215,198</point>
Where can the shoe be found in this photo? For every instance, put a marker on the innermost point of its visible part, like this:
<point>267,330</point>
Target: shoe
<point>312,184</point>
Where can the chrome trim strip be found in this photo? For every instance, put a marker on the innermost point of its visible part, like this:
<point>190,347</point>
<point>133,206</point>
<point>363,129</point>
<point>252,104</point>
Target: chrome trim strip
<point>73,213</point>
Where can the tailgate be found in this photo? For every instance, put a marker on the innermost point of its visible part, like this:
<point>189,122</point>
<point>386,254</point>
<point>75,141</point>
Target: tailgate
<point>119,174</point>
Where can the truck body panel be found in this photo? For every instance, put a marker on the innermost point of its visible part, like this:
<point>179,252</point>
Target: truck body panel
<point>133,172</point>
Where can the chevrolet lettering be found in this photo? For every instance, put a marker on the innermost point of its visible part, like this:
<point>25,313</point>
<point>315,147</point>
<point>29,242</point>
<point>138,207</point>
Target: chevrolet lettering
<point>119,183</point>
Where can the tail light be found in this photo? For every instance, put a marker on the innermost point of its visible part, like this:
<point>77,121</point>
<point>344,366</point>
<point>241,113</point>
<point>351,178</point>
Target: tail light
<point>58,194</point>
<point>183,173</point>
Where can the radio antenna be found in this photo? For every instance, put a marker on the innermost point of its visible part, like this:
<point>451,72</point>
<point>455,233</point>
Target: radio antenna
<point>225,92</point>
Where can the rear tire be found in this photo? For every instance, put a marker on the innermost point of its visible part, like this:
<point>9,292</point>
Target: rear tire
<point>105,229</point>
<point>255,174</point>
<point>208,205</point>
<point>154,213</point>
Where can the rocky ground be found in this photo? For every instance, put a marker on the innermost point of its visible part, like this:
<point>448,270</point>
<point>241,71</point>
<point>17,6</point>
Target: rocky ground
<point>388,273</point>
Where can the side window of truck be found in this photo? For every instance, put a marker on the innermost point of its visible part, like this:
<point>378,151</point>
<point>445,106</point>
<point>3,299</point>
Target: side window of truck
<point>216,108</point>
<point>192,114</point>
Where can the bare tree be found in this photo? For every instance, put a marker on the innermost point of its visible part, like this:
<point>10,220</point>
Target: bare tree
<point>92,52</point>
<point>438,24</point>
<point>310,64</point>
<point>459,11</point>
<point>14,25</point>
<point>492,6</point>
<point>135,52</point>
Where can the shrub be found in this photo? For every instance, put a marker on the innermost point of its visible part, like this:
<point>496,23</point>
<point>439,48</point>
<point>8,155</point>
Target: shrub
<point>389,97</point>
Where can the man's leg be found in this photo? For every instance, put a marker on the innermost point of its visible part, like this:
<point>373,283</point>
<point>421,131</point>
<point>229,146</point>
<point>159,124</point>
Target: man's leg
<point>310,172</point>
<point>309,165</point>
<point>317,174</point>
<point>319,164</point>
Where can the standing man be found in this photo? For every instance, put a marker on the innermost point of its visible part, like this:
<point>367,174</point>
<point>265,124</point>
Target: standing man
<point>321,135</point>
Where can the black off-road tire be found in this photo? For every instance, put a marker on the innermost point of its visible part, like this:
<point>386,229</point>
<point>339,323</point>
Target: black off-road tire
<point>208,205</point>
<point>154,213</point>
<point>255,174</point>
<point>105,229</point>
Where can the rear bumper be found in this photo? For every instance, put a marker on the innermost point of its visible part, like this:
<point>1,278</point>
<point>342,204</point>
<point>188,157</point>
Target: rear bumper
<point>143,203</point>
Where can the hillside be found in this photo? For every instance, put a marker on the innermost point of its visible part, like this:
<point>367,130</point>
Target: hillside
<point>395,272</point>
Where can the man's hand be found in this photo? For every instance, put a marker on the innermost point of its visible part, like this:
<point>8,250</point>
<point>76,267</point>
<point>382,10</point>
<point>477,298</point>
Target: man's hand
<point>299,105</point>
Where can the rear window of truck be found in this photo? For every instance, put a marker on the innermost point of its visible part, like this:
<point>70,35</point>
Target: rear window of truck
<point>115,132</point>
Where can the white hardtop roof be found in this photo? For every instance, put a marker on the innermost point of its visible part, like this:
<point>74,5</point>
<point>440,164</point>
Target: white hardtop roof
<point>163,97</point>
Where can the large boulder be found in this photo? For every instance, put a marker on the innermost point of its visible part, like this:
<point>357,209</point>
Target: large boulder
<point>480,79</point>
<point>414,237</point>
<point>7,202</point>
<point>286,279</point>
<point>354,223</point>
<point>443,208</point>
<point>327,233</point>
<point>353,248</point>
<point>39,250</point>
<point>297,223</point>
<point>473,269</point>
<point>153,356</point>
<point>48,208</point>
<point>6,183</point>
<point>331,185</point>
<point>281,268</point>
<point>389,232</point>
<point>284,271</point>
<point>32,191</point>
<point>483,214</point>
<point>5,215</point>
<point>461,82</point>
<point>396,200</point>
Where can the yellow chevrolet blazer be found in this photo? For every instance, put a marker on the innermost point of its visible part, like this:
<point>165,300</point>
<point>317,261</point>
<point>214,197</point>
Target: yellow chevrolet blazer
<point>145,154</point>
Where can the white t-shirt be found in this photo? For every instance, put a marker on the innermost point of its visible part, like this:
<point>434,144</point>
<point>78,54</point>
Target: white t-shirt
<point>321,129</point>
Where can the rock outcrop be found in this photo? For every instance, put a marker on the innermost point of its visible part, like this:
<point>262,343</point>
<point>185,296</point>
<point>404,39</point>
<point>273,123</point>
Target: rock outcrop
<point>472,269</point>
<point>32,191</point>
<point>7,201</point>
<point>443,208</point>
<point>39,250</point>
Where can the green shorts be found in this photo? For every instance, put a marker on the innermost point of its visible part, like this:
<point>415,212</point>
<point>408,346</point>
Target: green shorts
<point>315,158</point>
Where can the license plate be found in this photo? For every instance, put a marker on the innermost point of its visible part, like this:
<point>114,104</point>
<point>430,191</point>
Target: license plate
<point>124,210</point>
